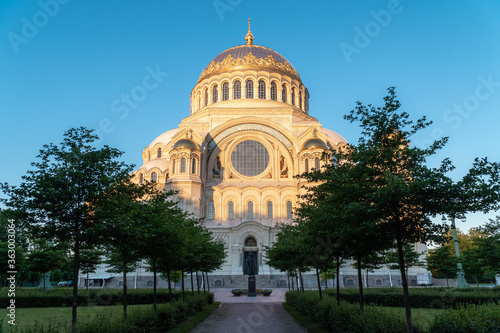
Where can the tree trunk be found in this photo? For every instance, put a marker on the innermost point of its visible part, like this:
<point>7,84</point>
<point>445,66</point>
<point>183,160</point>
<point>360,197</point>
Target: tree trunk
<point>87,281</point>
<point>43,282</point>
<point>293,287</point>
<point>169,284</point>
<point>338,280</point>
<point>319,284</point>
<point>192,284</point>
<point>288,278</point>
<point>409,326</point>
<point>301,281</point>
<point>203,281</point>
<point>447,284</point>
<point>297,281</point>
<point>208,283</point>
<point>182,283</point>
<point>76,268</point>
<point>360,286</point>
<point>124,298</point>
<point>367,286</point>
<point>155,296</point>
<point>197,282</point>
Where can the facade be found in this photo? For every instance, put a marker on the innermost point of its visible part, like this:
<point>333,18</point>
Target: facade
<point>234,158</point>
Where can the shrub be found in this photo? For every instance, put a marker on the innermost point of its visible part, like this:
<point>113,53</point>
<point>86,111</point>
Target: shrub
<point>474,318</point>
<point>346,317</point>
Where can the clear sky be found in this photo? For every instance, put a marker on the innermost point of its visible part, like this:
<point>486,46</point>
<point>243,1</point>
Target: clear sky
<point>68,63</point>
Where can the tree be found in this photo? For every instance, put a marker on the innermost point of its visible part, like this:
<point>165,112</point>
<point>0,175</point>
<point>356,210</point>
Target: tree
<point>382,186</point>
<point>442,263</point>
<point>411,258</point>
<point>54,200</point>
<point>44,258</point>
<point>89,260</point>
<point>370,263</point>
<point>121,213</point>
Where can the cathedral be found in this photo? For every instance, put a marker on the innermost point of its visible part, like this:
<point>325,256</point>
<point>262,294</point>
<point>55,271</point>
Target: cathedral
<point>234,158</point>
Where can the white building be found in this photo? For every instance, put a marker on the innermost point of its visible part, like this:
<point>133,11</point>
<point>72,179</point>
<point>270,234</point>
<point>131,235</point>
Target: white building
<point>233,160</point>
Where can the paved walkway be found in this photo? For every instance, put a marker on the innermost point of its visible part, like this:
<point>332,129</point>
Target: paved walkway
<point>245,314</point>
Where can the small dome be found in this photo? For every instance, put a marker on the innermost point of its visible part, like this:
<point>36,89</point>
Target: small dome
<point>186,144</point>
<point>315,143</point>
<point>165,138</point>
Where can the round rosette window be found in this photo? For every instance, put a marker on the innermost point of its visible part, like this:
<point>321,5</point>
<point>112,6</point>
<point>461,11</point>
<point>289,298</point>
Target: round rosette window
<point>250,158</point>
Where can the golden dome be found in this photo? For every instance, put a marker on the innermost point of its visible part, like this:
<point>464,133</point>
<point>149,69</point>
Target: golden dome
<point>249,56</point>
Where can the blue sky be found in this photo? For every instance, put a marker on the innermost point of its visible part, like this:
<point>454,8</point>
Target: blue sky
<point>68,63</point>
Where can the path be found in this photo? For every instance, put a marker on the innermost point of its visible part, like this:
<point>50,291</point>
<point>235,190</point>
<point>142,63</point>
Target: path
<point>249,314</point>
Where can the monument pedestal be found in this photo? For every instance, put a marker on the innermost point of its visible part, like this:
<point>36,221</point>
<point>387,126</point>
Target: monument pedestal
<point>251,286</point>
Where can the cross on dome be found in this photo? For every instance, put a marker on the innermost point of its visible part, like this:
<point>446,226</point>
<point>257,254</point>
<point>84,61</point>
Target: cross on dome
<point>249,37</point>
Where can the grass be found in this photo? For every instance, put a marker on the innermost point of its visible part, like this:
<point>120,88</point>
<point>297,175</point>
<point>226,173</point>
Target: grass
<point>62,315</point>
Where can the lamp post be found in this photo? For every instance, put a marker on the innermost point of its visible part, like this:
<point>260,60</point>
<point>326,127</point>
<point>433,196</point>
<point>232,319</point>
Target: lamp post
<point>461,283</point>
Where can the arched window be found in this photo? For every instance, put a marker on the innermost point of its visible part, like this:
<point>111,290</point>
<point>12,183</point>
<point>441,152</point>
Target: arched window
<point>350,282</point>
<point>206,97</point>
<point>193,166</point>
<point>289,212</point>
<point>215,93</point>
<point>230,210</point>
<point>237,90</point>
<point>378,282</point>
<point>159,153</point>
<point>300,100</point>
<point>154,177</point>
<point>262,89</point>
<point>141,178</point>
<point>173,166</point>
<point>306,165</point>
<point>283,93</point>
<point>316,163</point>
<point>274,91</point>
<point>269,209</point>
<point>250,210</point>
<point>149,283</point>
<point>181,204</point>
<point>225,91</point>
<point>183,165</point>
<point>293,96</point>
<point>249,89</point>
<point>211,210</point>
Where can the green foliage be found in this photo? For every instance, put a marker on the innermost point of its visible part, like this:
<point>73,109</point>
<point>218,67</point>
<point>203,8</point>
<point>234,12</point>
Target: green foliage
<point>442,262</point>
<point>478,319</point>
<point>434,298</point>
<point>345,317</point>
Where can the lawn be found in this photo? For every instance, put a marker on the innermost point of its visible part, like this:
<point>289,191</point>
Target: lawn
<point>62,316</point>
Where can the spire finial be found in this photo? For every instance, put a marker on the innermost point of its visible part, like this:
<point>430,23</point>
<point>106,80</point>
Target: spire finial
<point>249,37</point>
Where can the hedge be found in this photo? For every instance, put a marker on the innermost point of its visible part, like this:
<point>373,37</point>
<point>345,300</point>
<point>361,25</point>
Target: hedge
<point>346,317</point>
<point>474,318</point>
<point>423,298</point>
<point>34,298</point>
